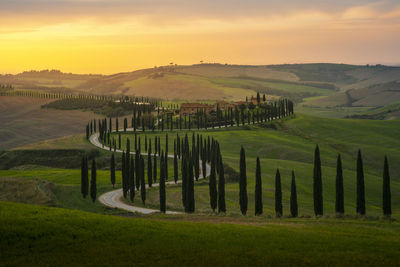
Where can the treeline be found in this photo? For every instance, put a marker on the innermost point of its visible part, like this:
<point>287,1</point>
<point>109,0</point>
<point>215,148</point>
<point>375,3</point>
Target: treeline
<point>108,107</point>
<point>165,120</point>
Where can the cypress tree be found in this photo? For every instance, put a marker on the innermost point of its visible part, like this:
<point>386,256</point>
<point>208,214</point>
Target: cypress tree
<point>278,194</point>
<point>184,181</point>
<point>138,170</point>
<point>112,169</point>
<point>387,198</point>
<point>142,181</point>
<point>243,183</point>
<point>93,189</point>
<point>339,205</point>
<point>131,183</point>
<point>166,166</point>
<point>293,197</point>
<point>190,187</point>
<point>213,185</point>
<point>84,177</point>
<point>155,169</point>
<point>258,190</point>
<point>221,188</point>
<point>175,167</point>
<point>317,184</point>
<point>360,185</point>
<point>162,189</point>
<point>123,173</point>
<point>149,170</point>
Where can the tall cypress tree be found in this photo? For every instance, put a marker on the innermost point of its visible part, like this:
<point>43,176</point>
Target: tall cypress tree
<point>149,170</point>
<point>317,184</point>
<point>190,187</point>
<point>258,190</point>
<point>93,189</point>
<point>131,182</point>
<point>155,168</point>
<point>386,194</point>
<point>243,183</point>
<point>221,188</point>
<point>83,178</point>
<point>184,181</point>
<point>162,189</point>
<point>293,197</point>
<point>339,205</point>
<point>175,167</point>
<point>112,170</point>
<point>142,181</point>
<point>360,185</point>
<point>123,169</point>
<point>213,185</point>
<point>278,194</point>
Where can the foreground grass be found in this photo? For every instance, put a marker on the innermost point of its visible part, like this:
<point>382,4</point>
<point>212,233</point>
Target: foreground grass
<point>33,235</point>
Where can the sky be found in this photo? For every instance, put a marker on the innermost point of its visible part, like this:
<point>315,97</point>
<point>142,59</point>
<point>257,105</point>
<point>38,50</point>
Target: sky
<point>110,36</point>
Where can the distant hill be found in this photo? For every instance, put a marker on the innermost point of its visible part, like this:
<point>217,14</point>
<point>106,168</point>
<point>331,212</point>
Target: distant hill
<point>331,83</point>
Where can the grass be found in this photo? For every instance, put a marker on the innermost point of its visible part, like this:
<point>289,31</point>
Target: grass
<point>34,235</point>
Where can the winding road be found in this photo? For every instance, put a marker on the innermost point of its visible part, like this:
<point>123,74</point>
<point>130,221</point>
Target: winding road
<point>113,198</point>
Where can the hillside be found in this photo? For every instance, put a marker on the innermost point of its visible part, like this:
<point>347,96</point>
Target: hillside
<point>230,82</point>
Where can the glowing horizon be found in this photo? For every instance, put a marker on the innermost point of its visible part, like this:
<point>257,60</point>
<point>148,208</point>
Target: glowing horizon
<point>96,36</point>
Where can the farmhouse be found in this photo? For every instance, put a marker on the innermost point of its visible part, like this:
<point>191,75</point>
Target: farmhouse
<point>193,108</point>
<point>254,100</point>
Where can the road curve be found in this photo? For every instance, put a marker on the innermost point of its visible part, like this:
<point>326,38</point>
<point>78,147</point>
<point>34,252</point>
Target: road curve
<point>113,198</point>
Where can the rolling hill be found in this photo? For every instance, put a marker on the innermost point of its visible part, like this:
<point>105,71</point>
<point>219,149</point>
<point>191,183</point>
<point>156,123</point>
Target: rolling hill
<point>230,82</point>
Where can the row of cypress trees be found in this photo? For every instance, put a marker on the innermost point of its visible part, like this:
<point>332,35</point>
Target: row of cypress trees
<point>360,185</point>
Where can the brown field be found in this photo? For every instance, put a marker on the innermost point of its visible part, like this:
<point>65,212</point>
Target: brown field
<point>24,122</point>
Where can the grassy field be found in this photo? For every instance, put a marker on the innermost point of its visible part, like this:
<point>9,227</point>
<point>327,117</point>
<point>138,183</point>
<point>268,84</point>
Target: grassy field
<point>23,121</point>
<point>34,235</point>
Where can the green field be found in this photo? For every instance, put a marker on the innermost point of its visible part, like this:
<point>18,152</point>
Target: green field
<point>34,235</point>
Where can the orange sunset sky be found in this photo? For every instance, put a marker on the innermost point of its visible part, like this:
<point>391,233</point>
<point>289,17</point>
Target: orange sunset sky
<point>99,36</point>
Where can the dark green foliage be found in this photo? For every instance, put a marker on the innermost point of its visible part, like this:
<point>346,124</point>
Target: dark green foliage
<point>138,171</point>
<point>155,168</point>
<point>293,197</point>
<point>131,182</point>
<point>360,185</point>
<point>386,194</point>
<point>93,188</point>
<point>112,170</point>
<point>142,181</point>
<point>124,175</point>
<point>243,183</point>
<point>162,188</point>
<point>317,184</point>
<point>278,195</point>
<point>175,168</point>
<point>221,188</point>
<point>339,204</point>
<point>190,188</point>
<point>258,189</point>
<point>149,170</point>
<point>84,177</point>
<point>213,184</point>
<point>184,181</point>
